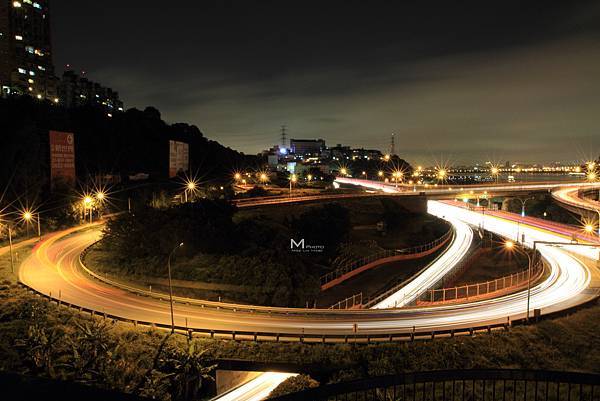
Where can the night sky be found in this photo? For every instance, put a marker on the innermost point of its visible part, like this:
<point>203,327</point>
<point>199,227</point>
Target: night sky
<point>459,84</point>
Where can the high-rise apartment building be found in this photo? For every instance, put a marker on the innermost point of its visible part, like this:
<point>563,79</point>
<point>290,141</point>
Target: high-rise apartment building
<point>25,49</point>
<point>75,90</point>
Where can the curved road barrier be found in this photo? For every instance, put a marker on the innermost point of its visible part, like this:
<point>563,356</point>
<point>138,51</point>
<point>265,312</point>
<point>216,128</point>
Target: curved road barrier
<point>491,288</point>
<point>360,265</point>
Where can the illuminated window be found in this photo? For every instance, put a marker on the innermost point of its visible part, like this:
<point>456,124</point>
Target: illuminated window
<point>22,71</point>
<point>30,80</point>
<point>41,68</point>
<point>18,37</point>
<point>32,73</point>
<point>16,4</point>
<point>27,1</point>
<point>29,49</point>
<point>38,52</point>
<point>39,96</point>
<point>37,5</point>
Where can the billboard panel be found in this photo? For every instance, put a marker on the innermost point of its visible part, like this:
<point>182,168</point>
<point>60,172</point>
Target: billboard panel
<point>179,158</point>
<point>62,157</point>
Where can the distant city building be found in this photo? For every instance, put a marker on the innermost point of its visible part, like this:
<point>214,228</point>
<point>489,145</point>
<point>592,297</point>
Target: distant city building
<point>75,90</point>
<point>307,146</point>
<point>369,154</point>
<point>26,50</point>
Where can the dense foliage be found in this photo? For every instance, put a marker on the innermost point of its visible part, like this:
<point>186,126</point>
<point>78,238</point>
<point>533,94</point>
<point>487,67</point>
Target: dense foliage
<point>294,384</point>
<point>130,142</point>
<point>253,253</point>
<point>38,339</point>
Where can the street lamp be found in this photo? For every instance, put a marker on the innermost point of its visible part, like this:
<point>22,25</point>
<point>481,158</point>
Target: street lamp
<point>343,171</point>
<point>237,176</point>
<point>365,174</point>
<point>380,174</point>
<point>523,203</point>
<point>171,286</point>
<point>190,185</point>
<point>442,173</point>
<point>495,172</point>
<point>293,180</point>
<point>87,204</point>
<point>509,245</point>
<point>263,177</point>
<point>309,177</point>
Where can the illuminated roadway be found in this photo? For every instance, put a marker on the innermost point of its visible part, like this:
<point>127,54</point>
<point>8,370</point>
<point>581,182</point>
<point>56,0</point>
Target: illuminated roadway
<point>53,269</point>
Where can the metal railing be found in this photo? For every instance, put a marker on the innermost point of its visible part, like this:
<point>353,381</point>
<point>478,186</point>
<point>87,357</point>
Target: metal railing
<point>348,303</point>
<point>360,262</point>
<point>507,283</point>
<point>461,385</point>
<point>393,287</point>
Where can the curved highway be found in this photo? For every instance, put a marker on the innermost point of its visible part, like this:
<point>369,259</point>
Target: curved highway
<point>54,269</point>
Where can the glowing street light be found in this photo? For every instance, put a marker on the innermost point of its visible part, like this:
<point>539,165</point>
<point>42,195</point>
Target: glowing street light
<point>386,158</point>
<point>589,228</point>
<point>88,202</point>
<point>442,174</point>
<point>364,173</point>
<point>343,171</point>
<point>509,245</point>
<point>100,195</point>
<point>309,177</point>
<point>495,172</point>
<point>237,176</point>
<point>190,186</point>
<point>293,179</point>
<point>380,174</point>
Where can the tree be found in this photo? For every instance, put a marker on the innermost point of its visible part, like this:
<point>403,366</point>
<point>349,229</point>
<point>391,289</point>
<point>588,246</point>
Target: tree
<point>294,384</point>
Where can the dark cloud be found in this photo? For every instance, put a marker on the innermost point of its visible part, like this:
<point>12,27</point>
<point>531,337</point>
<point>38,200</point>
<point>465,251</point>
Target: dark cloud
<point>518,81</point>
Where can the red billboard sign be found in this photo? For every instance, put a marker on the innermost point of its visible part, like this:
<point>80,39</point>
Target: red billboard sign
<point>62,156</point>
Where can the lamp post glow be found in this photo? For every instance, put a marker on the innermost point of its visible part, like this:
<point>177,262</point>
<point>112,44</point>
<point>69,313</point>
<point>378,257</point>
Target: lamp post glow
<point>380,174</point>
<point>343,171</point>
<point>495,172</point>
<point>523,203</point>
<point>589,228</point>
<point>509,245</point>
<point>441,175</point>
<point>189,186</point>
<point>293,180</point>
<point>87,204</point>
<point>263,178</point>
<point>171,286</point>
<point>27,216</point>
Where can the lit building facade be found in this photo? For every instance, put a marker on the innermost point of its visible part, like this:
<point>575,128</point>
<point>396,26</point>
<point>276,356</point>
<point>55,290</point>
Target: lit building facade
<point>307,146</point>
<point>76,91</point>
<point>26,50</point>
